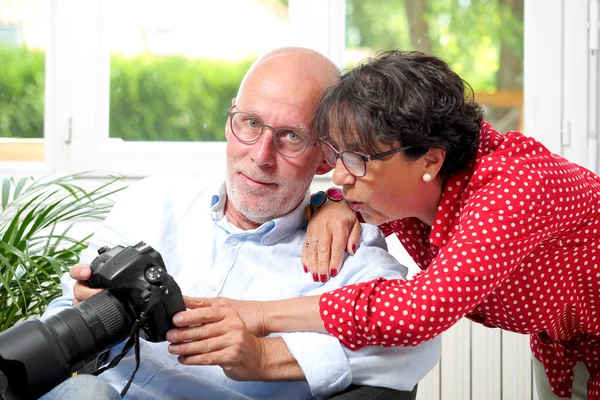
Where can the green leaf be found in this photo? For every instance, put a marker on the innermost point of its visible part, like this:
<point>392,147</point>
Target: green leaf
<point>5,191</point>
<point>36,243</point>
<point>20,185</point>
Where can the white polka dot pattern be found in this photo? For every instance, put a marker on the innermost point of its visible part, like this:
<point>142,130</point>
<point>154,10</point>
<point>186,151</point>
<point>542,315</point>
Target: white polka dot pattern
<point>515,244</point>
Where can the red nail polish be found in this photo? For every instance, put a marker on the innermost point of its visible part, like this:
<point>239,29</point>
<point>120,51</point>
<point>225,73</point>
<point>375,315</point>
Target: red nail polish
<point>315,277</point>
<point>323,278</point>
<point>353,248</point>
<point>333,272</point>
<point>305,268</point>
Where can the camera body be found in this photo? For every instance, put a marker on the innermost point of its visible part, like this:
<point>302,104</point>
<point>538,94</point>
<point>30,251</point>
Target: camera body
<point>36,356</point>
<point>134,275</point>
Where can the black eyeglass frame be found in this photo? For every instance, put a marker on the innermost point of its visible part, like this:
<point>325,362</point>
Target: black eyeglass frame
<point>364,157</point>
<point>309,142</point>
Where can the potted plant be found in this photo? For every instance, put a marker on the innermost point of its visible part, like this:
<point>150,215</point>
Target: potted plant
<point>37,244</point>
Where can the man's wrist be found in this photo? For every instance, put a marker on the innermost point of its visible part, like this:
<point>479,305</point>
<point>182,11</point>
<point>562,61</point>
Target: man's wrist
<point>276,362</point>
<point>263,363</point>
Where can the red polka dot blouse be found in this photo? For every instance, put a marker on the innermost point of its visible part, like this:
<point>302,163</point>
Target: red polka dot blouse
<point>515,244</point>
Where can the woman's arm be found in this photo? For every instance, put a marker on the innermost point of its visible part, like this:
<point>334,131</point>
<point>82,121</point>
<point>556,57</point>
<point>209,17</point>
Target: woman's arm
<point>262,318</point>
<point>293,315</point>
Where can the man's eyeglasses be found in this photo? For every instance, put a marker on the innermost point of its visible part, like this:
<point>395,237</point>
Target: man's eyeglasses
<point>248,129</point>
<point>354,162</point>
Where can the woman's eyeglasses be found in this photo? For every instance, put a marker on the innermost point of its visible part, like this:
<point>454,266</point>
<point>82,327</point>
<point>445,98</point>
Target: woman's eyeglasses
<point>354,162</point>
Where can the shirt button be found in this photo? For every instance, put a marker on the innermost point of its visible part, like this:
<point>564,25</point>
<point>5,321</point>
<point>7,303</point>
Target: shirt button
<point>233,242</point>
<point>212,288</point>
<point>266,240</point>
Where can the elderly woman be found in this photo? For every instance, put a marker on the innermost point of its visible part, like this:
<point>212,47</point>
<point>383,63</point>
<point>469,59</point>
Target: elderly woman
<point>506,233</point>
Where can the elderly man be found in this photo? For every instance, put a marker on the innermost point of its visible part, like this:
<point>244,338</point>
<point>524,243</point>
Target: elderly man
<point>243,240</point>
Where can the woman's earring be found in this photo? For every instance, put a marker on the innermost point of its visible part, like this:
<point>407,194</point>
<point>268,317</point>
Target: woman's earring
<point>427,177</point>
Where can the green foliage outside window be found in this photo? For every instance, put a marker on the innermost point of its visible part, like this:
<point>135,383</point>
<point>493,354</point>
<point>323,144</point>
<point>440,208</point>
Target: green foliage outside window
<point>21,92</point>
<point>152,97</point>
<point>172,98</point>
<point>482,40</point>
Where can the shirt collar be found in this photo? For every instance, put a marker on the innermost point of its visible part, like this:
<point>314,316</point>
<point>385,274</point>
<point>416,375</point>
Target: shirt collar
<point>272,231</point>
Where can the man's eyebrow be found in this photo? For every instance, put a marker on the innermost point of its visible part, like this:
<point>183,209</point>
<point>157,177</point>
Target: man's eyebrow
<point>300,127</point>
<point>252,111</point>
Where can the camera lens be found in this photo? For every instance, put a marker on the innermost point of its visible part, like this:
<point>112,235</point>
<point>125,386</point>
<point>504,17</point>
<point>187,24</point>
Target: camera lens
<point>36,356</point>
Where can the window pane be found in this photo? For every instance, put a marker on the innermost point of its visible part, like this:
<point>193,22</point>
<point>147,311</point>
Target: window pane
<point>23,34</point>
<point>176,65</point>
<point>482,40</point>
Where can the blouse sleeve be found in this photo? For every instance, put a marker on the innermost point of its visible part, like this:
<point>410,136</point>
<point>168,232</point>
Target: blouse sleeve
<point>498,228</point>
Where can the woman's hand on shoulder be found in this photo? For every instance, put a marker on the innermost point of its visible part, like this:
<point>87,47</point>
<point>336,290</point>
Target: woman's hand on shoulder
<point>332,230</point>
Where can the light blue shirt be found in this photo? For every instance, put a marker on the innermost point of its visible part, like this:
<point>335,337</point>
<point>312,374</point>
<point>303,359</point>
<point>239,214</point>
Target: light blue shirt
<point>183,218</point>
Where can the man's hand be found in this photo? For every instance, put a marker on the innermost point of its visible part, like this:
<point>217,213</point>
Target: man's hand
<point>81,292</point>
<point>217,336</point>
<point>253,313</point>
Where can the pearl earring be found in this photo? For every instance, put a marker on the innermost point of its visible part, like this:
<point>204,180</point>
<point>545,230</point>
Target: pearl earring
<point>427,177</point>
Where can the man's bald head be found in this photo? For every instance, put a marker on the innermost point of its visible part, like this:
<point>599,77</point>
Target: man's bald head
<point>299,66</point>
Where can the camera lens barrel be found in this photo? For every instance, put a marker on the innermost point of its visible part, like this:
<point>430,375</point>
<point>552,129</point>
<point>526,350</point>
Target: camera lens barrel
<point>106,319</point>
<point>36,356</point>
<point>90,328</point>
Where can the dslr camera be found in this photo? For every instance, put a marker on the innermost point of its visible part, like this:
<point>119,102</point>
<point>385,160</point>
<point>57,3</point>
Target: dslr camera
<point>36,356</point>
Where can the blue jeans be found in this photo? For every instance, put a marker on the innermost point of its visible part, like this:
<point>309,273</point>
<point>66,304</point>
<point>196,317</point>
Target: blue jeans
<point>86,387</point>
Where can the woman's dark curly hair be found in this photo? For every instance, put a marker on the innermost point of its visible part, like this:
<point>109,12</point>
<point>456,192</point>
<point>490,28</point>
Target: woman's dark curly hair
<point>405,98</point>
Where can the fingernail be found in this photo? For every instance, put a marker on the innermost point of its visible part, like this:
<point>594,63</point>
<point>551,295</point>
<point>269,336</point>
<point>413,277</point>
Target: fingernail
<point>353,248</point>
<point>315,277</point>
<point>173,349</point>
<point>171,335</point>
<point>323,278</point>
<point>333,272</point>
<point>305,268</point>
<point>177,319</point>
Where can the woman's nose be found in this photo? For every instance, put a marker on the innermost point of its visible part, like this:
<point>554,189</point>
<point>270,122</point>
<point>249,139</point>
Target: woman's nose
<point>341,176</point>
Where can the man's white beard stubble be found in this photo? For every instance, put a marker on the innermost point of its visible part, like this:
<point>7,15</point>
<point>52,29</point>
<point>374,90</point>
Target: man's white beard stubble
<point>271,203</point>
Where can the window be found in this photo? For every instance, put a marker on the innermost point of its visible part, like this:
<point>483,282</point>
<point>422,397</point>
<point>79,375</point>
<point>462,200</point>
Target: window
<point>23,27</point>
<point>481,40</point>
<point>118,90</point>
<point>176,65</point>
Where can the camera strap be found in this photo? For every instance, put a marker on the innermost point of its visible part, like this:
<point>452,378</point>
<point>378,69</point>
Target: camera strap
<point>134,338</point>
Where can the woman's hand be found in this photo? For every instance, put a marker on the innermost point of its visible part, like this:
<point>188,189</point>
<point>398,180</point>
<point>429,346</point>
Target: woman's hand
<point>333,229</point>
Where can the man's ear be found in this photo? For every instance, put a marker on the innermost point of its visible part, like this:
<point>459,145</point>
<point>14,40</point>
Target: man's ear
<point>233,102</point>
<point>433,161</point>
<point>324,167</point>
